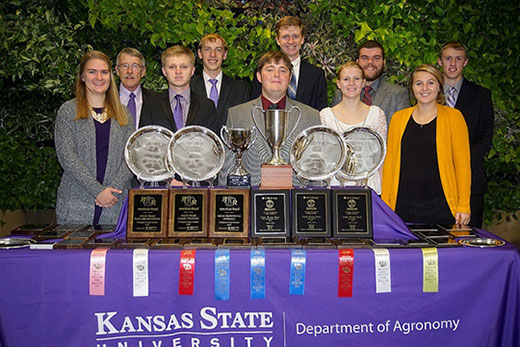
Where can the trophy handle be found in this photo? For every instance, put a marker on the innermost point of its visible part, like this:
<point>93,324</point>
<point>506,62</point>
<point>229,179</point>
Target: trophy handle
<point>256,124</point>
<point>297,121</point>
<point>254,134</point>
<point>224,135</point>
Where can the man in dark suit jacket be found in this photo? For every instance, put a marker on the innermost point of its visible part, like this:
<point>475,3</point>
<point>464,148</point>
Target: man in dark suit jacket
<point>223,90</point>
<point>308,83</point>
<point>388,96</point>
<point>179,106</point>
<point>131,68</point>
<point>476,106</point>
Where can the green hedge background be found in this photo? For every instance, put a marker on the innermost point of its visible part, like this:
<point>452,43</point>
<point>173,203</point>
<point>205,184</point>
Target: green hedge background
<point>43,41</point>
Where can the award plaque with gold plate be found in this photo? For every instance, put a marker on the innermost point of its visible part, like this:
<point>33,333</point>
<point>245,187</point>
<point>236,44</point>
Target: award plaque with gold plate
<point>311,212</point>
<point>196,154</point>
<point>270,215</point>
<point>229,213</point>
<point>145,154</point>
<point>352,207</point>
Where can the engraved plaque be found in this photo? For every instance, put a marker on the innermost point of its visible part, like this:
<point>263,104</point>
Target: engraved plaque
<point>270,213</point>
<point>188,212</point>
<point>311,216</point>
<point>147,213</point>
<point>352,213</point>
<point>229,213</point>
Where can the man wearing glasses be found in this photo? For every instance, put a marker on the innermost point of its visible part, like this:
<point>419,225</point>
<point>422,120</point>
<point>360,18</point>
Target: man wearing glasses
<point>130,67</point>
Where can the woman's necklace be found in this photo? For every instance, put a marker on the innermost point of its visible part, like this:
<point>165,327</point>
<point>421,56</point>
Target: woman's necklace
<point>100,117</point>
<point>430,118</point>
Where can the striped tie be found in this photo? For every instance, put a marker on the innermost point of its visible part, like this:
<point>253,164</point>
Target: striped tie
<point>451,97</point>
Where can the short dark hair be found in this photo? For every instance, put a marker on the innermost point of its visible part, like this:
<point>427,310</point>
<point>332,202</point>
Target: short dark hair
<point>289,21</point>
<point>273,56</point>
<point>371,44</point>
<point>459,46</point>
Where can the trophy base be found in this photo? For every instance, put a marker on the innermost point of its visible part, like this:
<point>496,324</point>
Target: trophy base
<point>276,177</point>
<point>239,181</point>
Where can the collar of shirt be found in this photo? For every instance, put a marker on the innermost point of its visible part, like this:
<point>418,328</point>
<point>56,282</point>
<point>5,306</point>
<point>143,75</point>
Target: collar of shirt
<point>124,95</point>
<point>208,84</point>
<point>296,68</point>
<point>266,102</point>
<point>457,87</point>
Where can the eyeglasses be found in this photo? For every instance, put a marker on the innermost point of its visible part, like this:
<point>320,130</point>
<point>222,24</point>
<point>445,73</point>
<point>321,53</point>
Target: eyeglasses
<point>126,66</point>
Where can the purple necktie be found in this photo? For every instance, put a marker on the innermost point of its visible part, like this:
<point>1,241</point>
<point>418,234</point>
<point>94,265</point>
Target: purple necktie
<point>177,113</point>
<point>133,109</point>
<point>213,93</point>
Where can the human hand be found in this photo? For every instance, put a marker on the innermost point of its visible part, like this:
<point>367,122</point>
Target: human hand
<point>462,218</point>
<point>106,198</point>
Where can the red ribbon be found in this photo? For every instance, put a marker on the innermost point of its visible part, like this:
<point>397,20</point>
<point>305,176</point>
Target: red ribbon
<point>346,272</point>
<point>186,272</point>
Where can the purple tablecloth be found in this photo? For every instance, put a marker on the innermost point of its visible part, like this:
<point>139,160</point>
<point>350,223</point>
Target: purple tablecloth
<point>45,301</point>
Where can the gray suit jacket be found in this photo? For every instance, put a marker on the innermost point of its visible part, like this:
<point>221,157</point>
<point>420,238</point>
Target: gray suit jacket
<point>240,117</point>
<point>75,142</point>
<point>389,97</point>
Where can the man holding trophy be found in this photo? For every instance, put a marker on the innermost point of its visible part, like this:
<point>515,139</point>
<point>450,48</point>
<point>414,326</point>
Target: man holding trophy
<point>274,71</point>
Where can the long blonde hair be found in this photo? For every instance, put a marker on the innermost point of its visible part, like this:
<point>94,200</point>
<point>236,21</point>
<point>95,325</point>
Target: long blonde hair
<point>112,104</point>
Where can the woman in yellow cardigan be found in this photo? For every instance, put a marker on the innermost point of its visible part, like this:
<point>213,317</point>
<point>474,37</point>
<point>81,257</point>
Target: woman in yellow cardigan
<point>427,173</point>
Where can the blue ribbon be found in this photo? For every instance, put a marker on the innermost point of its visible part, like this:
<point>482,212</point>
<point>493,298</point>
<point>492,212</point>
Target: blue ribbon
<point>222,274</point>
<point>298,259</point>
<point>257,274</point>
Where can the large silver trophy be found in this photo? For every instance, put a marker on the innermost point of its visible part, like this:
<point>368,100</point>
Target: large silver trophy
<point>276,125</point>
<point>367,153</point>
<point>238,141</point>
<point>145,154</point>
<point>317,154</point>
<point>196,154</point>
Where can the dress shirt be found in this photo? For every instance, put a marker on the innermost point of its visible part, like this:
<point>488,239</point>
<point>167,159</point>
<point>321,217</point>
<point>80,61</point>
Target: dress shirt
<point>185,102</point>
<point>373,91</point>
<point>124,97</point>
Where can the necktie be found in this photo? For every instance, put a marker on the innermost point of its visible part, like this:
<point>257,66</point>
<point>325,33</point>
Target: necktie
<point>213,93</point>
<point>273,107</point>
<point>291,90</point>
<point>177,113</point>
<point>451,97</point>
<point>367,98</point>
<point>132,107</point>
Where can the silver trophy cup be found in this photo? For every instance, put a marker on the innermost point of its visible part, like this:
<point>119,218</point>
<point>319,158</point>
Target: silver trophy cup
<point>238,141</point>
<point>276,125</point>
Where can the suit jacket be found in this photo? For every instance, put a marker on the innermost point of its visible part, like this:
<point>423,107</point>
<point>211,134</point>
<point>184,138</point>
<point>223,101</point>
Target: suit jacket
<point>312,86</point>
<point>476,106</point>
<point>232,92</point>
<point>75,141</point>
<point>389,97</point>
<point>157,111</point>
<point>260,152</point>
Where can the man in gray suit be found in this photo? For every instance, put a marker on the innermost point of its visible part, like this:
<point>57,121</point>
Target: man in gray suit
<point>274,73</point>
<point>378,91</point>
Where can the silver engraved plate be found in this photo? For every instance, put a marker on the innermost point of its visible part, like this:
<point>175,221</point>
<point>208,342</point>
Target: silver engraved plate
<point>8,243</point>
<point>481,242</point>
<point>145,153</point>
<point>368,152</point>
<point>196,154</point>
<point>318,153</point>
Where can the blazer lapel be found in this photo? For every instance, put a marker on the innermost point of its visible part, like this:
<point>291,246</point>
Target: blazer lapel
<point>301,78</point>
<point>224,94</point>
<point>193,108</point>
<point>464,94</point>
<point>167,109</point>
